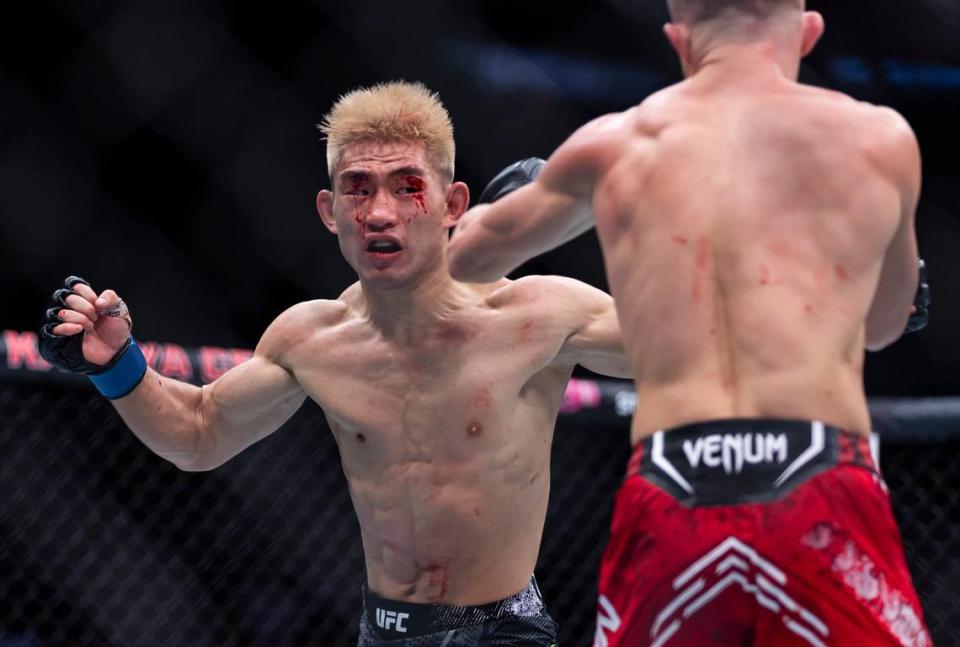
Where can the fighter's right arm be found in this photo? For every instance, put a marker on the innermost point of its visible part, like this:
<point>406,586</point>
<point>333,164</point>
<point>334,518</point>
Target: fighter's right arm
<point>890,309</point>
<point>196,428</point>
<point>200,428</point>
<point>552,207</point>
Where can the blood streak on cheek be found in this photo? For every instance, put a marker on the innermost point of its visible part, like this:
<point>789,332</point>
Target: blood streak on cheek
<point>356,185</point>
<point>418,185</point>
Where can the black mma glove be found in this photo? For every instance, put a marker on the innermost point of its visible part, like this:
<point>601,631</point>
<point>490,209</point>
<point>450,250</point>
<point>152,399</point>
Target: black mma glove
<point>512,178</point>
<point>126,367</point>
<point>65,352</point>
<point>921,301</point>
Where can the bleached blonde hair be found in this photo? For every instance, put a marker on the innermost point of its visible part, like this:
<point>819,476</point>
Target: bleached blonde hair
<point>391,112</point>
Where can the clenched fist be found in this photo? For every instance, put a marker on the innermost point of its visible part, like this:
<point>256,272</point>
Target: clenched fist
<point>83,331</point>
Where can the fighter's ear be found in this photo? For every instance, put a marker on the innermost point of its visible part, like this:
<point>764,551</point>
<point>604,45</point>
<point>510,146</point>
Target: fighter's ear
<point>458,199</point>
<point>678,35</point>
<point>813,28</point>
<point>325,209</point>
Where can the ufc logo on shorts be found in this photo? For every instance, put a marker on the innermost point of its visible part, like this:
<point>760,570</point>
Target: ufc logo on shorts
<point>391,620</point>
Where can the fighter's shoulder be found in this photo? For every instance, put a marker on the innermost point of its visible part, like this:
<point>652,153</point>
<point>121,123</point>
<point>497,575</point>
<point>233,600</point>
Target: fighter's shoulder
<point>544,289</point>
<point>892,125</point>
<point>593,143</point>
<point>313,314</point>
<point>867,116</point>
<point>889,140</point>
<point>301,323</point>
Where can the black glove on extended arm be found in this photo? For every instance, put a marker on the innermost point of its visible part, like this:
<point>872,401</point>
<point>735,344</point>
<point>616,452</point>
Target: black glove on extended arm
<point>921,301</point>
<point>66,352</point>
<point>512,178</point>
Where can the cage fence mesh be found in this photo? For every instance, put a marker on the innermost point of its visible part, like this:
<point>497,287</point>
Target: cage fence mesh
<point>104,544</point>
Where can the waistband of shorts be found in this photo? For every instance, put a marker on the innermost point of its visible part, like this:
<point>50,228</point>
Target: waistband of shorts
<point>395,619</point>
<point>745,460</point>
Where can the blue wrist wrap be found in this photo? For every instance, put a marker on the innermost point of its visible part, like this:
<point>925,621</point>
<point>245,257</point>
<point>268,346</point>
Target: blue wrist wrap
<point>123,373</point>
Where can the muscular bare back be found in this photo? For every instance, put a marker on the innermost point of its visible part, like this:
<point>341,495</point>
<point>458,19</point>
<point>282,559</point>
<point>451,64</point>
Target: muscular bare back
<point>758,236</point>
<point>744,227</point>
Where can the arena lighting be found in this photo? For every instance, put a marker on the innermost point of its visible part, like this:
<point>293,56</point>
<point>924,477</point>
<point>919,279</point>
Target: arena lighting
<point>894,73</point>
<point>556,74</point>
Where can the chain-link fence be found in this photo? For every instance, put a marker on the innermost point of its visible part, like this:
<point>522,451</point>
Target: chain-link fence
<point>102,543</point>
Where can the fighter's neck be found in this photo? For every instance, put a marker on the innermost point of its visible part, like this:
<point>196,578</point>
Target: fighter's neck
<point>749,63</point>
<point>407,310</point>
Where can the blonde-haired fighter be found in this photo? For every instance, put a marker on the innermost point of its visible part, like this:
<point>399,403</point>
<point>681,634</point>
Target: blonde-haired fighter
<point>758,234</point>
<point>442,396</point>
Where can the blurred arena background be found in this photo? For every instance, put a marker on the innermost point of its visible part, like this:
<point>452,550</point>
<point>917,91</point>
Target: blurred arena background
<point>168,149</point>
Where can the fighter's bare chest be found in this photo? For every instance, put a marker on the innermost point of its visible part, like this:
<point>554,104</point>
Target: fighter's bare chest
<point>454,376</point>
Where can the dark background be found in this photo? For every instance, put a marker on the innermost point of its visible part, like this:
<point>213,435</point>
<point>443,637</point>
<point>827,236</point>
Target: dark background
<point>168,149</point>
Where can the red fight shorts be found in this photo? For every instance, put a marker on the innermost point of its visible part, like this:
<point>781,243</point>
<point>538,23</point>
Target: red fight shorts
<point>755,532</point>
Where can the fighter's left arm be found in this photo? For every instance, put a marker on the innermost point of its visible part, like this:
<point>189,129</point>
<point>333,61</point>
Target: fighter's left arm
<point>594,341</point>
<point>535,208</point>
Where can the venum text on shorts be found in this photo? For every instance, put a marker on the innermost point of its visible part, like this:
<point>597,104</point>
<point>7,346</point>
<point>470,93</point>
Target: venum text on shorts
<point>732,451</point>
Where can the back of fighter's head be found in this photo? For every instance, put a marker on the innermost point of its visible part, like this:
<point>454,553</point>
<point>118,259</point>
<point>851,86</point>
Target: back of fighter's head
<point>698,11</point>
<point>698,27</point>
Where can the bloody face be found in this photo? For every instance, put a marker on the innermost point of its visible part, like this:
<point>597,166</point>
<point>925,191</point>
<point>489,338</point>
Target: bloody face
<point>389,204</point>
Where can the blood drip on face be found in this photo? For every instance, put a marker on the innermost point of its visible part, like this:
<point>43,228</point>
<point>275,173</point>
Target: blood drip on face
<point>418,185</point>
<point>356,185</point>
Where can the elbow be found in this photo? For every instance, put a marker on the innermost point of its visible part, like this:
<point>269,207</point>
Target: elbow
<point>189,466</point>
<point>876,345</point>
<point>877,338</point>
<point>195,452</point>
<point>193,463</point>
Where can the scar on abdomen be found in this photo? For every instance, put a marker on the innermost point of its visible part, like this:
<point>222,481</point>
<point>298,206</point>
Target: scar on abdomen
<point>474,428</point>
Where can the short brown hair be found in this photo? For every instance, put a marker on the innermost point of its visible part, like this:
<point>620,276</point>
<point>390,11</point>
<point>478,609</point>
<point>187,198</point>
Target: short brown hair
<point>395,111</point>
<point>693,11</point>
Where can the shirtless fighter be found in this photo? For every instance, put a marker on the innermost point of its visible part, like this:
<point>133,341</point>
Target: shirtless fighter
<point>441,396</point>
<point>758,235</point>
